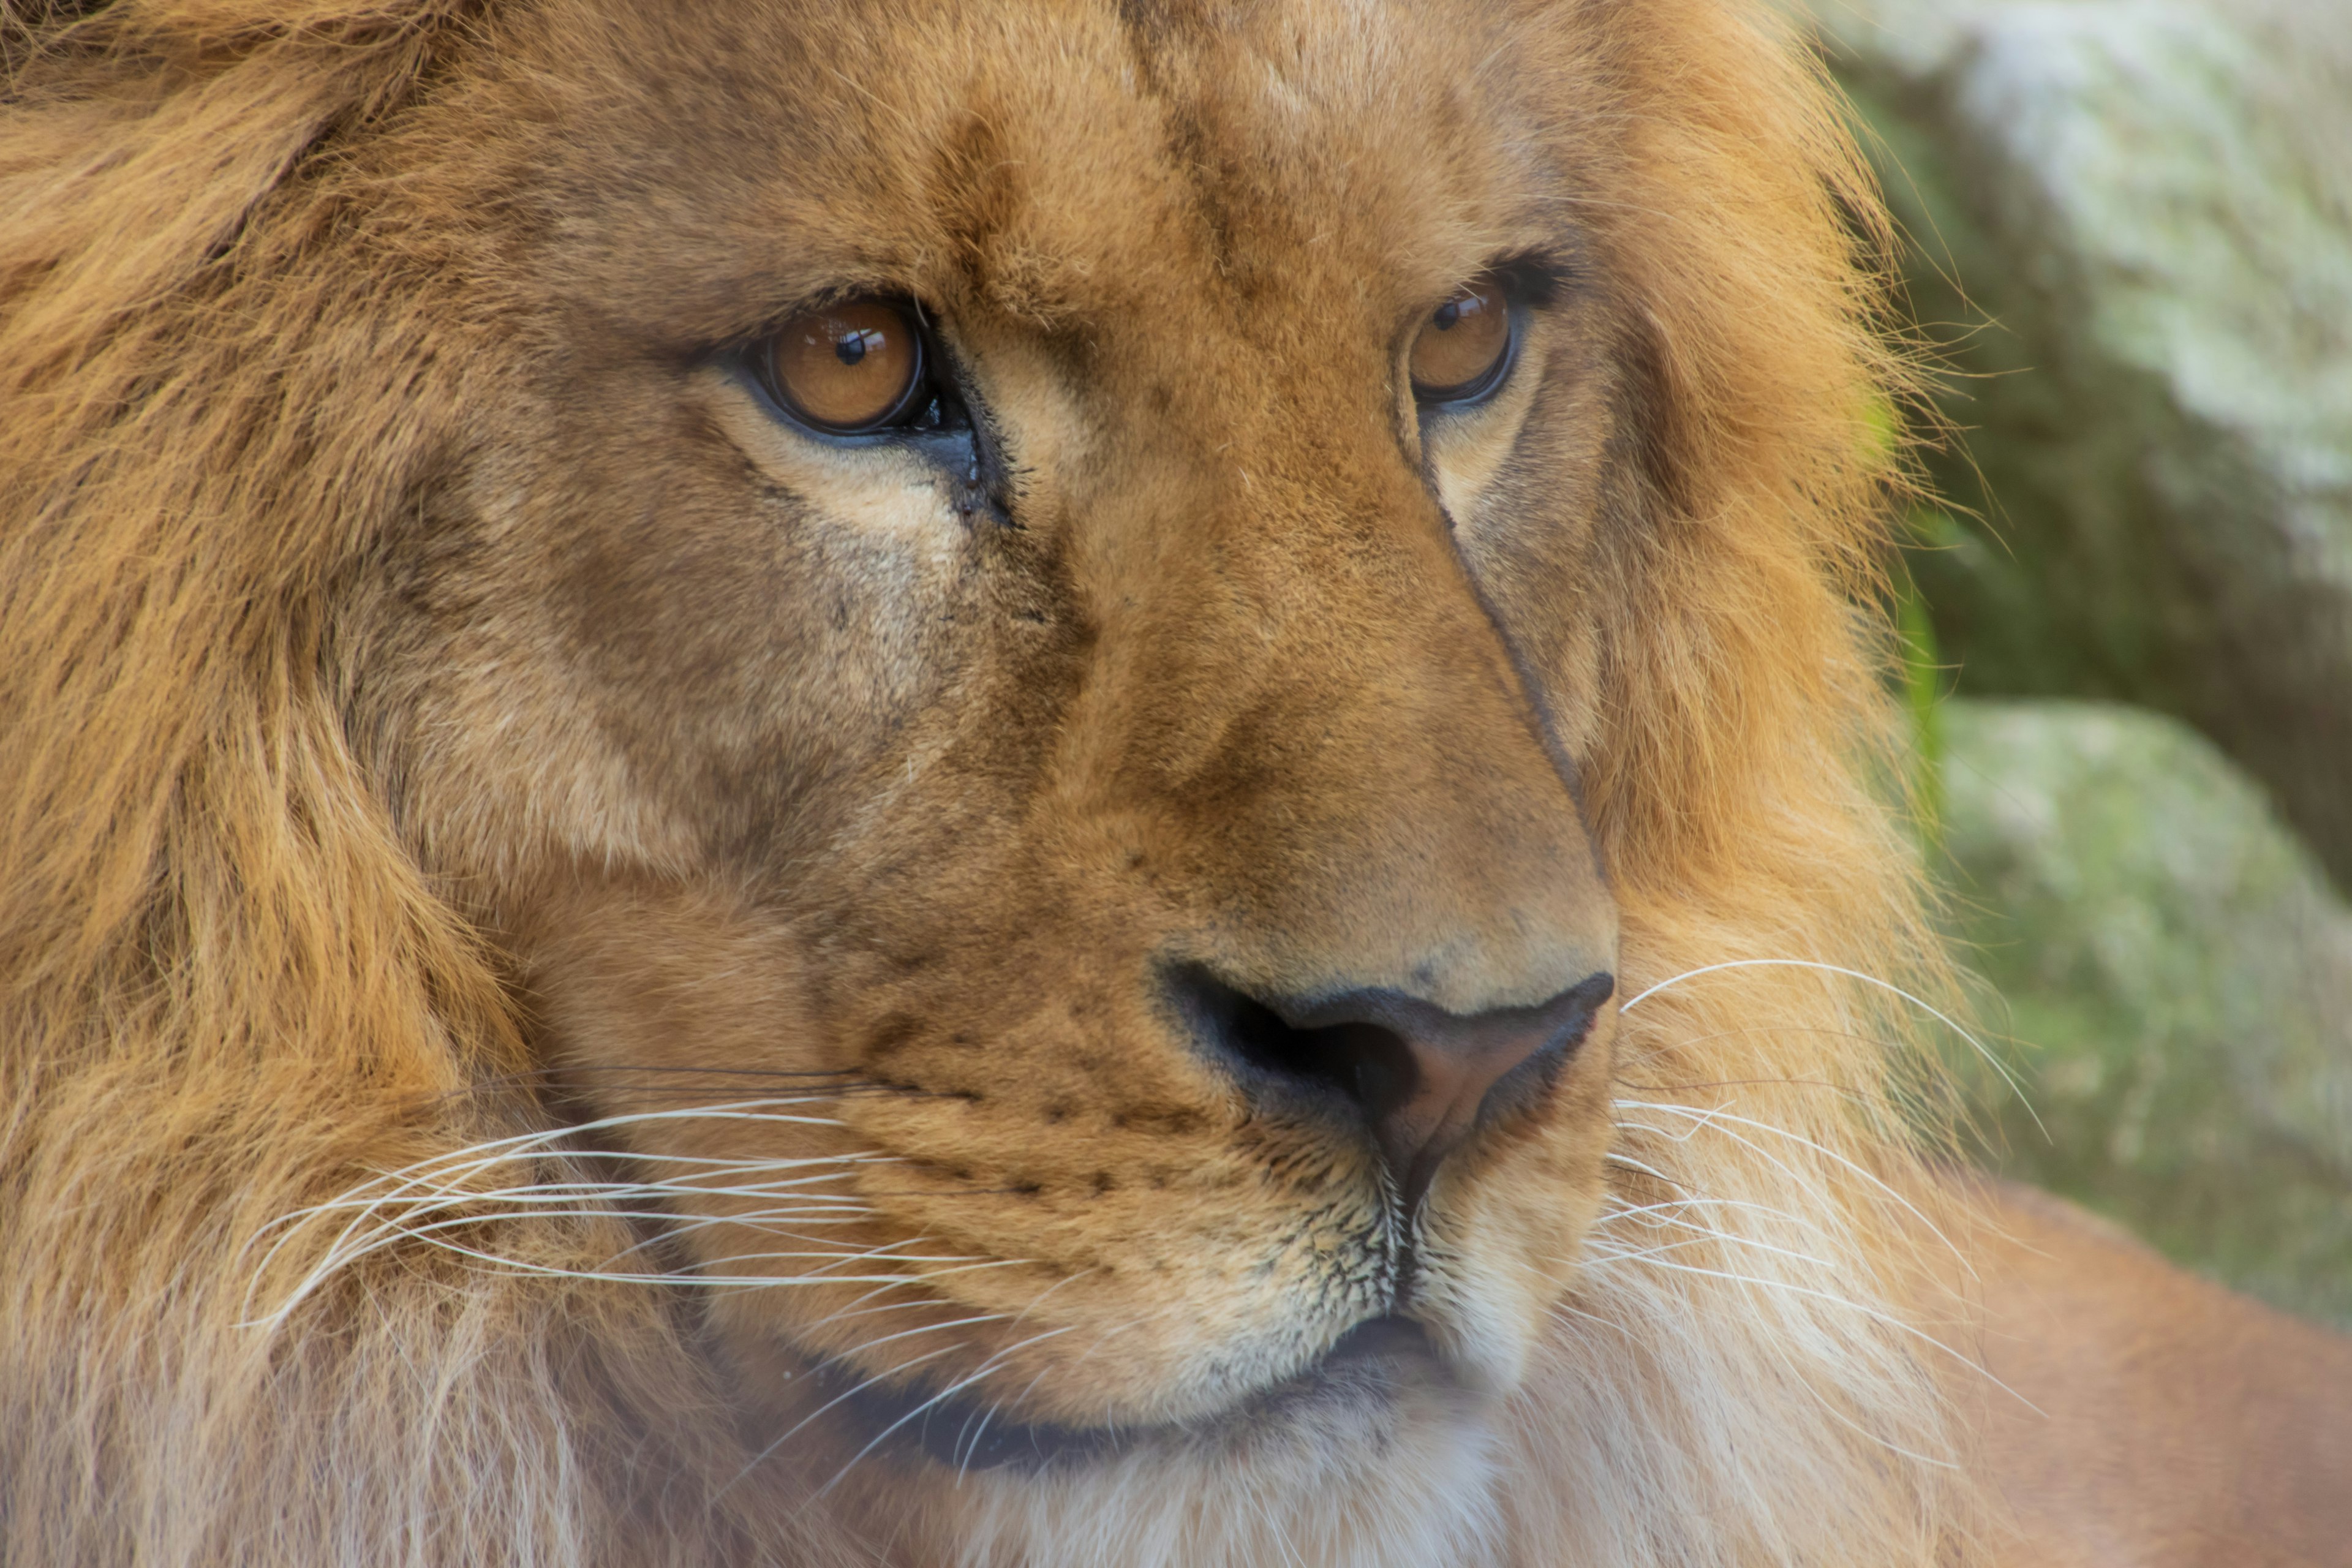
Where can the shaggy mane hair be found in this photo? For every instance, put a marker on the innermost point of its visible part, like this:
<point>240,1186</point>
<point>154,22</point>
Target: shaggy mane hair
<point>228,994</point>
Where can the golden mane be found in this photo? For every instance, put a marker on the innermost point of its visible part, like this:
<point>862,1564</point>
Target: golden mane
<point>228,994</point>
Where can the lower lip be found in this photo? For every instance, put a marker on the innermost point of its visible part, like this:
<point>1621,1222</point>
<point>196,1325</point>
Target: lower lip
<point>1382,1338</point>
<point>967,1435</point>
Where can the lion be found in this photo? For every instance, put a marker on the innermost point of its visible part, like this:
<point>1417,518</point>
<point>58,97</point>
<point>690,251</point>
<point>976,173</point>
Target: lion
<point>998,784</point>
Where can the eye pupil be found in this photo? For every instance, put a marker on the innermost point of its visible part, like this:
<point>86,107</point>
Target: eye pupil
<point>1447,314</point>
<point>851,348</point>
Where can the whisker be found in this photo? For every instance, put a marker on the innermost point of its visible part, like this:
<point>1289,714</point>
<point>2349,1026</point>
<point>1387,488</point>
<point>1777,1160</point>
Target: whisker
<point>1651,1217</point>
<point>748,1282</point>
<point>1624,1209</point>
<point>577,1070</point>
<point>761,1457</point>
<point>1884,1319</point>
<point>857,1309</point>
<point>996,1405</point>
<point>428,1234</point>
<point>389,1203</point>
<point>862,1385</point>
<point>1626,1162</point>
<point>549,1200</point>
<point>1716,1118</point>
<point>1938,1014</point>
<point>1601,1249</point>
<point>948,1393</point>
<point>770,1222</point>
<point>1848,1091</point>
<point>1559,1308</point>
<point>1689,1042</point>
<point>440,1168</point>
<point>964,1463</point>
<point>573,1189</point>
<point>865,1345</point>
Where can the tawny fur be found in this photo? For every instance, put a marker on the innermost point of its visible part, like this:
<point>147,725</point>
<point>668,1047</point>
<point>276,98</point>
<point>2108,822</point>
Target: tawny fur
<point>286,904</point>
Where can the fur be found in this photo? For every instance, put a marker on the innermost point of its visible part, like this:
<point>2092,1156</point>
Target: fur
<point>364,801</point>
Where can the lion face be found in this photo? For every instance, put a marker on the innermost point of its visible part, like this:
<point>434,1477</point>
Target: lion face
<point>1016,720</point>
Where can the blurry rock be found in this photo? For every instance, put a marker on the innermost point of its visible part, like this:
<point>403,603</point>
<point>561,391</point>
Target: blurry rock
<point>2177,975</point>
<point>2146,207</point>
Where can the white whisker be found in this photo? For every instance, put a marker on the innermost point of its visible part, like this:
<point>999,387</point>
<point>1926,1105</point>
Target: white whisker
<point>1596,1246</point>
<point>1938,1014</point>
<point>790,1432</point>
<point>409,1201</point>
<point>1717,1118</point>
<point>1886,1319</point>
<point>948,1393</point>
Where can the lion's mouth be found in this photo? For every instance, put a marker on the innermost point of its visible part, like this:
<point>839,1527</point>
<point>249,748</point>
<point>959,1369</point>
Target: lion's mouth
<point>1371,1362</point>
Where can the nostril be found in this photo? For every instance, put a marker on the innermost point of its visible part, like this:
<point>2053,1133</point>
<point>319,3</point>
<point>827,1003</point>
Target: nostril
<point>1370,1065</point>
<point>1377,1064</point>
<point>1419,1079</point>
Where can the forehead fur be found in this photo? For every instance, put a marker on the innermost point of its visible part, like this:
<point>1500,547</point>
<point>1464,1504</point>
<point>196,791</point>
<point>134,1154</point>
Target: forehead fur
<point>686,175</point>
<point>1070,166</point>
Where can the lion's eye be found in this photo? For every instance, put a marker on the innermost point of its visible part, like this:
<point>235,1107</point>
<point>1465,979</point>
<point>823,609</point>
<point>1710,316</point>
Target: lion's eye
<point>1464,347</point>
<point>850,369</point>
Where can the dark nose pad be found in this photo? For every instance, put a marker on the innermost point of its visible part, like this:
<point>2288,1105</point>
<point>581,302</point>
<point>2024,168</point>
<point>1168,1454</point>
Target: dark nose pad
<point>1420,1078</point>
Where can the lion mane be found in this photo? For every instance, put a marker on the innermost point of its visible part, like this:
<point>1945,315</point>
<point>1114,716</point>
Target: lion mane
<point>254,316</point>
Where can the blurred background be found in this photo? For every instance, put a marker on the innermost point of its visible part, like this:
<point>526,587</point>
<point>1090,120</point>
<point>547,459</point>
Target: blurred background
<point>2129,625</point>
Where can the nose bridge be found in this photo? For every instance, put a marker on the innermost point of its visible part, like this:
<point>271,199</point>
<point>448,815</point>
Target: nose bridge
<point>1317,701</point>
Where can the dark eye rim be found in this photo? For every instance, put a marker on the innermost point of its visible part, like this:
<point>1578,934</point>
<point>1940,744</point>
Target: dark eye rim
<point>756,361</point>
<point>1483,386</point>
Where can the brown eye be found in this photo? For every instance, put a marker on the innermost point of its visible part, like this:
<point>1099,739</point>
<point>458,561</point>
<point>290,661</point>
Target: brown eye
<point>849,368</point>
<point>1464,346</point>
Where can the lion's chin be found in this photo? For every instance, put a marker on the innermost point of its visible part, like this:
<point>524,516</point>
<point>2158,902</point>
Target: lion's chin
<point>1382,1373</point>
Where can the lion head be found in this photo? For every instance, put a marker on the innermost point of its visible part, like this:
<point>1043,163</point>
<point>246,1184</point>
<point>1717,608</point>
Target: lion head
<point>988,784</point>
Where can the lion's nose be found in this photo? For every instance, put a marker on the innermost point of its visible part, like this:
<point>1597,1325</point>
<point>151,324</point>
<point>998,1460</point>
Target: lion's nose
<point>1420,1078</point>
